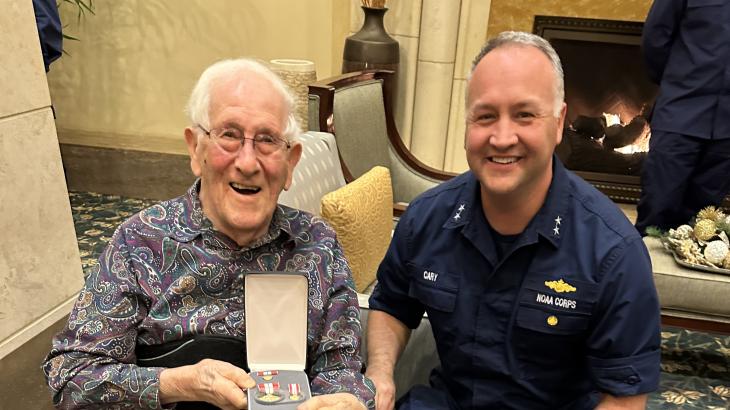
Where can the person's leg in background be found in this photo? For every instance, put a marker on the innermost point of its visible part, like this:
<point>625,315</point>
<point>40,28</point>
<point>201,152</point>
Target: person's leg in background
<point>665,176</point>
<point>711,180</point>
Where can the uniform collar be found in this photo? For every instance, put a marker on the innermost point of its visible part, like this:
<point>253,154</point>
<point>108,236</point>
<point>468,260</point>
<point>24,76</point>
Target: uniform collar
<point>192,222</point>
<point>549,222</point>
<point>468,201</point>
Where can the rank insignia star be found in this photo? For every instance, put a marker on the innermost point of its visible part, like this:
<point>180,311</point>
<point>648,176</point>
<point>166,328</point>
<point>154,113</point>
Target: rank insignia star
<point>556,229</point>
<point>457,215</point>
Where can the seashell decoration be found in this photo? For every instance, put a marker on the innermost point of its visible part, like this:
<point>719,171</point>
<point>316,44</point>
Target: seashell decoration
<point>715,252</point>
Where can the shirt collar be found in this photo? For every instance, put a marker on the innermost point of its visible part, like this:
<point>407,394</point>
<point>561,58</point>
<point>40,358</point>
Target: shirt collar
<point>549,222</point>
<point>466,203</point>
<point>189,222</point>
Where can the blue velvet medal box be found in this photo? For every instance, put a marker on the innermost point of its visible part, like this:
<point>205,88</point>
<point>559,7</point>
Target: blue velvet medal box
<point>276,339</point>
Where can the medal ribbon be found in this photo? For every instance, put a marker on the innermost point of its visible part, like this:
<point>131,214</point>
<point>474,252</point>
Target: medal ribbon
<point>294,389</point>
<point>268,388</point>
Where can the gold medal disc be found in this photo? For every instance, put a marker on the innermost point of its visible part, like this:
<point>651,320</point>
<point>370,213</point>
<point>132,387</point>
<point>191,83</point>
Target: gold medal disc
<point>268,398</point>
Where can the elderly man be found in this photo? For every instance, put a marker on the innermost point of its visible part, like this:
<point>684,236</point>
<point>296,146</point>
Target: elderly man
<point>538,288</point>
<point>176,269</point>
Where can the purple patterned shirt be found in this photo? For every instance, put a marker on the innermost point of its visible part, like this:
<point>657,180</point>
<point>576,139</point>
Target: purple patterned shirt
<point>167,274</point>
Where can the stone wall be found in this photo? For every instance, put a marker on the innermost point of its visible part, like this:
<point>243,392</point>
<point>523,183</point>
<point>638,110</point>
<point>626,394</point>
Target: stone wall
<point>40,269</point>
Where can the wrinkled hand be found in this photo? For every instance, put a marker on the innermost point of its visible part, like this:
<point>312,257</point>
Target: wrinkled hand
<point>219,383</point>
<point>384,390</point>
<point>334,401</point>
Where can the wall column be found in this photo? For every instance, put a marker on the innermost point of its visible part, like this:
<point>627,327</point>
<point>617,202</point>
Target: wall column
<point>436,58</point>
<point>40,268</point>
<point>472,36</point>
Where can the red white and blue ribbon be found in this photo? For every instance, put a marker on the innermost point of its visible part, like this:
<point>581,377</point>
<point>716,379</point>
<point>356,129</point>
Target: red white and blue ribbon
<point>267,373</point>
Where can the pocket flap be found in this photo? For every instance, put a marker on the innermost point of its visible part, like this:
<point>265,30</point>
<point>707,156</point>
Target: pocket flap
<point>572,296</point>
<point>543,321</point>
<point>439,299</point>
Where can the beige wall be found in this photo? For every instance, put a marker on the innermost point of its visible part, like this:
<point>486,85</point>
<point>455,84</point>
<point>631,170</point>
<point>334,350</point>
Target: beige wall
<point>40,269</point>
<point>126,82</point>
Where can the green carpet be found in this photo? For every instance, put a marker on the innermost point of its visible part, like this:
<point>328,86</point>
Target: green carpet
<point>695,365</point>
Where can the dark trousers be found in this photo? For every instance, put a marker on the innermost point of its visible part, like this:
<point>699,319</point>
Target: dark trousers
<point>422,397</point>
<point>680,176</point>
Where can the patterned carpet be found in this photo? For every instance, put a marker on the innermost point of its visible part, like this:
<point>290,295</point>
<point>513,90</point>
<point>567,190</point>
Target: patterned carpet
<point>695,365</point>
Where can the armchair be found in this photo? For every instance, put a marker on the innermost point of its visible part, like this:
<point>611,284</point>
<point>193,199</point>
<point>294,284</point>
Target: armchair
<point>357,108</point>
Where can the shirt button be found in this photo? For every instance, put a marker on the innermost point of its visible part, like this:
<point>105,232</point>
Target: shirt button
<point>632,380</point>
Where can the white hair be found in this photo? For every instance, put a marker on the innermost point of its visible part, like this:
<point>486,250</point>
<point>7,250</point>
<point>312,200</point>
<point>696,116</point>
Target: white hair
<point>198,106</point>
<point>507,38</point>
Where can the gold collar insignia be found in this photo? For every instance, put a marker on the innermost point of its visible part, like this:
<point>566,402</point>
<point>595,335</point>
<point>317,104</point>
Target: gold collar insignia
<point>560,286</point>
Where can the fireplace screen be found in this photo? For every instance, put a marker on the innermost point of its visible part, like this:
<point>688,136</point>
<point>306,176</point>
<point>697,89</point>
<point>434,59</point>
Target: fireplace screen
<point>609,98</point>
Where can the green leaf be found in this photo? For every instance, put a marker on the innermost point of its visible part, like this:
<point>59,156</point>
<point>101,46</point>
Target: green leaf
<point>655,232</point>
<point>83,6</point>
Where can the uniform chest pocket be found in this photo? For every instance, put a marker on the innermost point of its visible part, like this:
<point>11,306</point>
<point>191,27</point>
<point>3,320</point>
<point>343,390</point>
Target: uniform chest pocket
<point>552,320</point>
<point>443,300</point>
<point>434,289</point>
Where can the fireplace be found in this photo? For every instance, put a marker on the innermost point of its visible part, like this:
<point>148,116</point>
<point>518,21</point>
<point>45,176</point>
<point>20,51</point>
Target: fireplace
<point>609,97</point>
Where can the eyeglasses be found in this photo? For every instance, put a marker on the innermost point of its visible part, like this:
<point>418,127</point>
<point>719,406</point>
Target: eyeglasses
<point>232,140</point>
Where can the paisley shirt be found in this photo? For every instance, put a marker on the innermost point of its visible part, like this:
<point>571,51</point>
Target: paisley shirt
<point>167,274</point>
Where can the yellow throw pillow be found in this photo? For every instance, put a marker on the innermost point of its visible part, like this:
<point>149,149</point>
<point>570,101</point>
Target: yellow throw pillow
<point>361,214</point>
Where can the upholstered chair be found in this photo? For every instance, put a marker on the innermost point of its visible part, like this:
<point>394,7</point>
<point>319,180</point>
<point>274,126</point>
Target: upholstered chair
<point>357,109</point>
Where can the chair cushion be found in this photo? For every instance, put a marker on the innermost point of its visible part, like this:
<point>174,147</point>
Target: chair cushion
<point>361,213</point>
<point>317,173</point>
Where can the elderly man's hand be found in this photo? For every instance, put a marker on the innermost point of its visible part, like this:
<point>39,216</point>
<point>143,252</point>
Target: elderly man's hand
<point>219,383</point>
<point>334,401</point>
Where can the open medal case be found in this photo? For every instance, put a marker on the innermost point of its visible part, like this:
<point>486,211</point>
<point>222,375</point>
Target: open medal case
<point>276,339</point>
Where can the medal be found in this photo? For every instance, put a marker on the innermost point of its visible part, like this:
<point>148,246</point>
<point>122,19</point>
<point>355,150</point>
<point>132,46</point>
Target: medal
<point>267,375</point>
<point>268,393</point>
<point>294,392</point>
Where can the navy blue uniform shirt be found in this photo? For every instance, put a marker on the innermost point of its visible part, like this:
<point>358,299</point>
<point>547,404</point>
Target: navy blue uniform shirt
<point>686,44</point>
<point>569,311</point>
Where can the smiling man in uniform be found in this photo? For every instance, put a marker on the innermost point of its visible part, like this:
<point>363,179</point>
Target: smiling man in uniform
<point>538,289</point>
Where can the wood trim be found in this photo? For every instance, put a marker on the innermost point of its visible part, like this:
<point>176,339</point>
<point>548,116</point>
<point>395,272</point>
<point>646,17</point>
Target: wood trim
<point>325,90</point>
<point>399,208</point>
<point>696,324</point>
